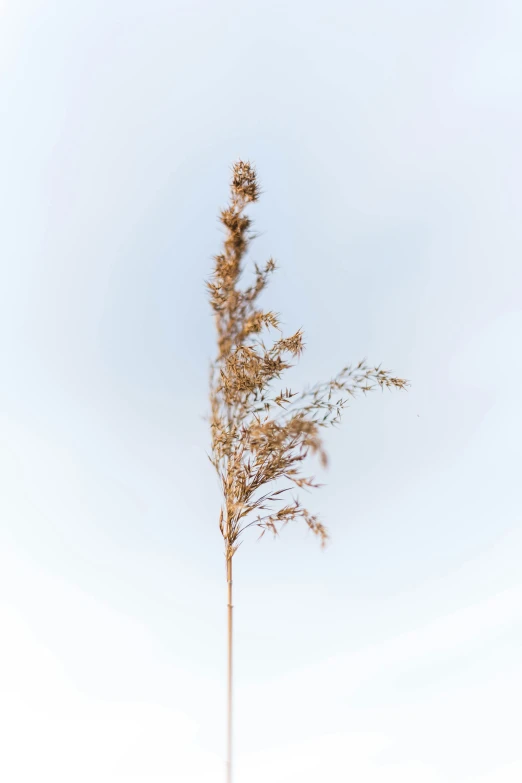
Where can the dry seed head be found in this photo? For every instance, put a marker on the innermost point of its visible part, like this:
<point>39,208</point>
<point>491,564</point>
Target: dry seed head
<point>244,181</point>
<point>260,437</point>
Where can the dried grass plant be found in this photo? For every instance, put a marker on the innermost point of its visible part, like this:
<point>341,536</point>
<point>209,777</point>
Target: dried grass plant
<point>258,436</point>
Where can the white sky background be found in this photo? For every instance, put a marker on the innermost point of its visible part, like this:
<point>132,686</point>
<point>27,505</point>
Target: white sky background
<point>387,140</point>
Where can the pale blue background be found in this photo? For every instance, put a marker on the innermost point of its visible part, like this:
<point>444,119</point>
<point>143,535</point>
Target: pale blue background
<point>387,140</point>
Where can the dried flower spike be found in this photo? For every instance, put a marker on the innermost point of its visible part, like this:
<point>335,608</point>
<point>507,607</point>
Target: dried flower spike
<point>258,436</point>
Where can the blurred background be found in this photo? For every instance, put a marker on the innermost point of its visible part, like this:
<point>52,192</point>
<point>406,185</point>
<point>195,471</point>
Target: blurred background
<point>386,136</point>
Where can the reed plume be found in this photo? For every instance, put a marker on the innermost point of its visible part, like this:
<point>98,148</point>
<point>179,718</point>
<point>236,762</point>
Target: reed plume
<point>258,436</point>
